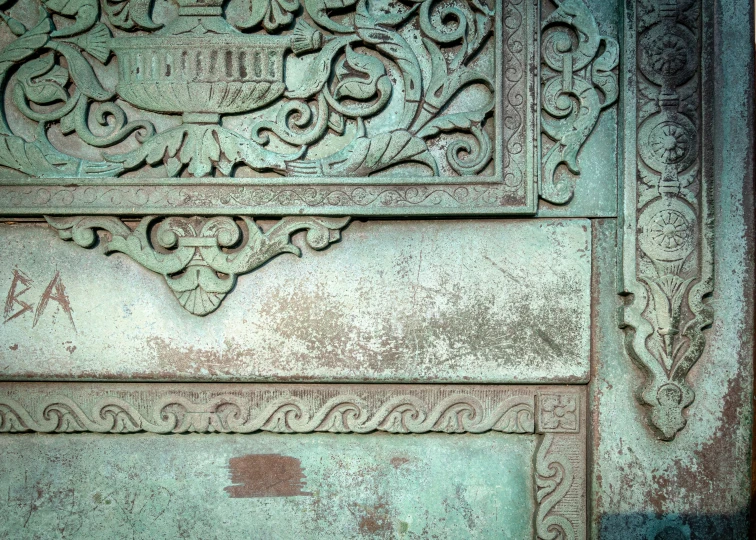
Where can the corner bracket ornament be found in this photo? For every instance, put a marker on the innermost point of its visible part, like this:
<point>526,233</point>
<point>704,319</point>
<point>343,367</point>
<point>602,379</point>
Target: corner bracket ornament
<point>668,245</point>
<point>200,258</point>
<point>578,82</point>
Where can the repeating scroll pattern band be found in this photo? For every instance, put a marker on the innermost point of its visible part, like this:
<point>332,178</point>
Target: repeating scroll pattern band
<point>323,409</point>
<point>668,242</point>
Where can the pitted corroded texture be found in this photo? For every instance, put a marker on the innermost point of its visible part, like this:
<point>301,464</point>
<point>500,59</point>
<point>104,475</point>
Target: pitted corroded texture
<point>224,487</point>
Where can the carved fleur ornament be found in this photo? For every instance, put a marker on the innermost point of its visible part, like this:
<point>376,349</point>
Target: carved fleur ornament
<point>200,259</point>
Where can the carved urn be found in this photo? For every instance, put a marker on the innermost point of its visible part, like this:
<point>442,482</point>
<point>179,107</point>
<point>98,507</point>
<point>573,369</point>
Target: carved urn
<point>202,67</point>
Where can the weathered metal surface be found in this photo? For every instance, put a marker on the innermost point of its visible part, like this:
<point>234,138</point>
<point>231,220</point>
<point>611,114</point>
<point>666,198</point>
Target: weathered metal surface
<point>525,478</point>
<point>267,486</point>
<point>377,108</point>
<point>426,301</point>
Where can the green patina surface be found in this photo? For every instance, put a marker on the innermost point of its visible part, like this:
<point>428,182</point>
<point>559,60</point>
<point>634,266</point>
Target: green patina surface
<point>267,486</point>
<point>167,133</point>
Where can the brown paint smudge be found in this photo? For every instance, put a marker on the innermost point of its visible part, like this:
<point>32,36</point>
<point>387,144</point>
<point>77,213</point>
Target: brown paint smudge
<point>265,475</point>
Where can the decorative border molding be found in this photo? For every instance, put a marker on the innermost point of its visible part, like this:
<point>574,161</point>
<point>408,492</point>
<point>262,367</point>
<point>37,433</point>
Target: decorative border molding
<point>560,466</point>
<point>667,249</point>
<point>248,408</point>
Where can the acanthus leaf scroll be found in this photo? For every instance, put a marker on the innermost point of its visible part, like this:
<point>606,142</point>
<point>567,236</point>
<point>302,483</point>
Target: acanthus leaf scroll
<point>213,89</point>
<point>578,83</point>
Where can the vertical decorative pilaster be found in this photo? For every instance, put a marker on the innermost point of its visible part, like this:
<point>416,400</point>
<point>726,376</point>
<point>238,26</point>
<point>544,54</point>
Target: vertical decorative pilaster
<point>667,245</point>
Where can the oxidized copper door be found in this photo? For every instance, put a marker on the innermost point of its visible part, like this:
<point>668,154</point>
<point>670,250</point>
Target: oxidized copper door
<point>522,307</point>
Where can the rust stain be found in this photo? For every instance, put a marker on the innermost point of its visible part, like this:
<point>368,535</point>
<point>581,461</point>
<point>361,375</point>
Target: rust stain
<point>265,475</point>
<point>14,347</point>
<point>373,519</point>
<point>397,462</point>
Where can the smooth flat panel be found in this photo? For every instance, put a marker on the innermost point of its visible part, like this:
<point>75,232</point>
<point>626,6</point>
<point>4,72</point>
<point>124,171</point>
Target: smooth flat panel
<point>488,301</point>
<point>267,486</point>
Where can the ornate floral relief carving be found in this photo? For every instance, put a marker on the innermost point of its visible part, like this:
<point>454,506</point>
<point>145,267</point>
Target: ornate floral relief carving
<point>668,247</point>
<point>380,85</point>
<point>578,82</point>
<point>269,98</point>
<point>558,413</point>
<point>200,258</point>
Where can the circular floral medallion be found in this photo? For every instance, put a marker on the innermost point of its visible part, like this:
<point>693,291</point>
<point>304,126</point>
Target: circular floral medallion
<point>668,138</point>
<point>667,55</point>
<point>667,230</point>
<point>670,142</point>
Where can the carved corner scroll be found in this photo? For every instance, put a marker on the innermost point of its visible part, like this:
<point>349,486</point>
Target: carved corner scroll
<point>668,236</point>
<point>560,466</point>
<point>200,258</point>
<point>578,81</point>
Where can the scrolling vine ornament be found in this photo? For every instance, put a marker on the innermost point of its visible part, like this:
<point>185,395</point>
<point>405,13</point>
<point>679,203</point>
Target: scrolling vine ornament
<point>668,254</point>
<point>578,83</point>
